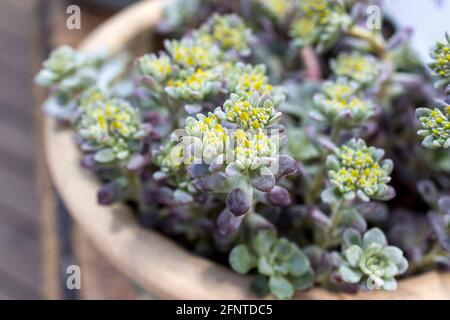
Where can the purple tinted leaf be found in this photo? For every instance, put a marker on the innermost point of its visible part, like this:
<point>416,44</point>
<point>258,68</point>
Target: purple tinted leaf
<point>279,196</point>
<point>286,166</point>
<point>197,170</point>
<point>444,204</point>
<point>214,182</point>
<point>111,192</point>
<point>239,201</point>
<point>88,162</point>
<point>388,195</point>
<point>137,162</point>
<point>182,197</point>
<point>216,164</point>
<point>440,227</point>
<point>428,191</point>
<point>228,224</point>
<point>264,183</point>
<point>319,217</point>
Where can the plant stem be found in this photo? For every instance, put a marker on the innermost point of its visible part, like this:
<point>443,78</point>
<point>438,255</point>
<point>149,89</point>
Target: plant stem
<point>311,62</point>
<point>335,219</point>
<point>316,185</point>
<point>378,46</point>
<point>377,43</point>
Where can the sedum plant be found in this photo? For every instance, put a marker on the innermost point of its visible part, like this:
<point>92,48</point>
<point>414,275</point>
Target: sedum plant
<point>355,170</point>
<point>370,260</point>
<point>283,265</point>
<point>435,126</point>
<point>263,134</point>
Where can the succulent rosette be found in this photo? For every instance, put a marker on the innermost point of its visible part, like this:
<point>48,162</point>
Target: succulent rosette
<point>63,63</point>
<point>364,69</point>
<point>192,86</point>
<point>282,264</point>
<point>441,61</point>
<point>319,23</point>
<point>435,126</point>
<point>370,261</point>
<point>232,140</point>
<point>110,127</point>
<point>249,112</point>
<point>229,32</point>
<point>341,106</point>
<point>160,68</point>
<point>248,79</point>
<point>357,171</point>
<point>190,52</point>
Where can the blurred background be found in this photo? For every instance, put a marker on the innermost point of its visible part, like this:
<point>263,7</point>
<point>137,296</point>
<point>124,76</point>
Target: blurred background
<point>37,238</point>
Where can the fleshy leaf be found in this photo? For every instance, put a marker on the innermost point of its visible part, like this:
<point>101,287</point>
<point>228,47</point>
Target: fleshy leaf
<point>239,201</point>
<point>281,287</point>
<point>374,235</point>
<point>349,275</point>
<point>241,260</point>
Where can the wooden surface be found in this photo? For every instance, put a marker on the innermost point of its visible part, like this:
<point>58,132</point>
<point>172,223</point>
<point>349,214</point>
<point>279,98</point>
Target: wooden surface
<point>20,258</point>
<point>154,261</point>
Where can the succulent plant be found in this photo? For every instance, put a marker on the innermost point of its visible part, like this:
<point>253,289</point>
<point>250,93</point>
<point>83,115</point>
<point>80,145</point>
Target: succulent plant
<point>110,127</point>
<point>441,61</point>
<point>363,69</point>
<point>229,32</point>
<point>356,171</point>
<point>435,126</point>
<point>341,107</point>
<point>281,262</point>
<point>255,129</point>
<point>319,23</point>
<point>370,260</point>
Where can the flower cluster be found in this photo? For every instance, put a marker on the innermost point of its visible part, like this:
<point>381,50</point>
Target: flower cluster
<point>234,139</point>
<point>229,32</point>
<point>160,68</point>
<point>435,126</point>
<point>319,22</point>
<point>62,64</point>
<point>249,112</point>
<point>370,260</point>
<point>254,149</point>
<point>341,105</point>
<point>210,137</point>
<point>110,127</point>
<point>441,60</point>
<point>204,64</point>
<point>278,9</point>
<point>284,266</point>
<point>193,85</point>
<point>248,79</point>
<point>363,69</point>
<point>356,170</point>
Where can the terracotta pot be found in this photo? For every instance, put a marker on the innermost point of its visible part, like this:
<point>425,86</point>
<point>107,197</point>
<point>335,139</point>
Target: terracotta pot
<point>154,261</point>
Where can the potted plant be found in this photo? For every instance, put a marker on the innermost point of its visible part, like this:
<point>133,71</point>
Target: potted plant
<point>282,144</point>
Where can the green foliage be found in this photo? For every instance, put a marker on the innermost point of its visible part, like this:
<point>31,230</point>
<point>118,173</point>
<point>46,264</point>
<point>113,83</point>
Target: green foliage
<point>281,262</point>
<point>435,126</point>
<point>370,260</point>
